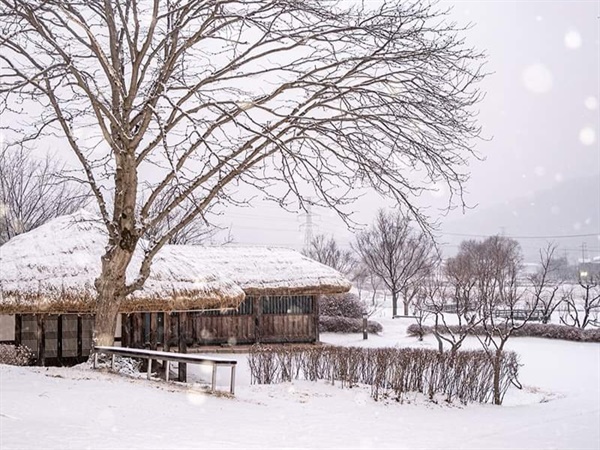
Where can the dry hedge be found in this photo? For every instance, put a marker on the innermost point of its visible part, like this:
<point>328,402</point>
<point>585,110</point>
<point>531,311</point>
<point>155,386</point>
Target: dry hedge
<point>391,372</point>
<point>549,331</point>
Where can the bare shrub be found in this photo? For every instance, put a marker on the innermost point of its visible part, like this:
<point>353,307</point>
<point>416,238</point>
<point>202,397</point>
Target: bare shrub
<point>549,331</point>
<point>15,355</point>
<point>339,324</point>
<point>466,376</point>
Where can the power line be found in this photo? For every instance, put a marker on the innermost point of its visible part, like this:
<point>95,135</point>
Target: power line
<point>557,236</point>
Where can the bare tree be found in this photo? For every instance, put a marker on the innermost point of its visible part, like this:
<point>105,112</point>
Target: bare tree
<point>197,97</point>
<point>400,255</point>
<point>198,231</point>
<point>583,302</point>
<point>327,251</point>
<point>547,283</point>
<point>447,296</point>
<point>33,191</point>
<point>495,264</point>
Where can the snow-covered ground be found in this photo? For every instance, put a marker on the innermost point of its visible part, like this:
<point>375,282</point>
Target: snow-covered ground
<point>79,408</point>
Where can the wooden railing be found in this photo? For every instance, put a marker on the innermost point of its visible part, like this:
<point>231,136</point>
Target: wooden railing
<point>168,357</point>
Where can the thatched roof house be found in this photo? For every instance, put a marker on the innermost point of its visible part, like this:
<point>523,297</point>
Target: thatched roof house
<point>52,269</point>
<point>228,294</point>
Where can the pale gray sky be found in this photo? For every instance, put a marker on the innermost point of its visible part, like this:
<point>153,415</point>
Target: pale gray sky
<point>540,113</point>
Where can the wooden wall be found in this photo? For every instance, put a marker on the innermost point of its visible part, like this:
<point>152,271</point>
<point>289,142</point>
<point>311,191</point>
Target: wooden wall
<point>260,319</point>
<point>55,340</point>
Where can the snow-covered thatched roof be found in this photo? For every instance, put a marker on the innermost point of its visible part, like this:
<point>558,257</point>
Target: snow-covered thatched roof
<point>265,270</point>
<point>52,269</point>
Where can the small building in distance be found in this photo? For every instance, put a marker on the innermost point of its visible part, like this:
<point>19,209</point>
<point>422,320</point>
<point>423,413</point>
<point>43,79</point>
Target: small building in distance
<point>195,295</point>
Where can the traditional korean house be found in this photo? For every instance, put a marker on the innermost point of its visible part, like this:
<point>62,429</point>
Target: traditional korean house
<point>195,295</point>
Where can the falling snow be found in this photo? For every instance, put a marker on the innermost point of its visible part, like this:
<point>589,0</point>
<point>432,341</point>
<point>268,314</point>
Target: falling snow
<point>591,103</point>
<point>587,136</point>
<point>537,79</point>
<point>573,39</point>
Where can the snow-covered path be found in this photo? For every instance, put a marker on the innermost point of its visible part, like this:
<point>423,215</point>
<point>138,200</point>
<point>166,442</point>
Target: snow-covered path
<point>75,408</point>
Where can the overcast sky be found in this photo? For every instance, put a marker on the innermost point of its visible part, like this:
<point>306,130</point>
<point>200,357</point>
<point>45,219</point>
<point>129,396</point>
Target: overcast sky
<point>540,116</point>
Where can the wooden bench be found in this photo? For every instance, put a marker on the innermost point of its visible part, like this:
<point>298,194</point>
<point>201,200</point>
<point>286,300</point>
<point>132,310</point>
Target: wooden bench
<point>169,357</point>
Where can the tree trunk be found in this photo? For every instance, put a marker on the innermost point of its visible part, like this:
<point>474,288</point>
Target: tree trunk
<point>497,365</point>
<point>394,304</point>
<point>406,307</point>
<point>110,287</point>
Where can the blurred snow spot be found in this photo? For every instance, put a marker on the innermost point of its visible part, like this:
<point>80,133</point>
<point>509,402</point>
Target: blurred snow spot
<point>587,136</point>
<point>196,398</point>
<point>540,171</point>
<point>572,39</point>
<point>291,390</point>
<point>577,226</point>
<point>588,221</point>
<point>532,204</point>
<point>591,103</point>
<point>232,341</point>
<point>539,18</point>
<point>205,334</point>
<point>558,177</point>
<point>3,209</point>
<point>537,78</point>
<point>515,213</point>
<point>555,210</point>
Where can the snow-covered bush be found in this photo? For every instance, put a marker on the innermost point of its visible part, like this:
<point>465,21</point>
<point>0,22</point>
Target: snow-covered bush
<point>550,331</point>
<point>339,324</point>
<point>15,355</point>
<point>390,372</point>
<point>343,313</point>
<point>345,305</point>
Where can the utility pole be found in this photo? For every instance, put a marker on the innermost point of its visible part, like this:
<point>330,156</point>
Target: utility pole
<point>308,226</point>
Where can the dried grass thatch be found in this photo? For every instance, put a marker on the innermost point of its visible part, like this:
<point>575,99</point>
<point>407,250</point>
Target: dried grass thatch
<point>52,270</point>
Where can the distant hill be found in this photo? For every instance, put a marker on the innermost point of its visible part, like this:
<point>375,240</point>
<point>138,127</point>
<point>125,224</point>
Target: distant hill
<point>570,208</point>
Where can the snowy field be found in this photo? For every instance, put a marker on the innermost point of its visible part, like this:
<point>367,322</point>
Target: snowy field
<point>59,408</point>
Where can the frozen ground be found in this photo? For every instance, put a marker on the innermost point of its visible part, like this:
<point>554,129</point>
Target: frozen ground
<point>77,408</point>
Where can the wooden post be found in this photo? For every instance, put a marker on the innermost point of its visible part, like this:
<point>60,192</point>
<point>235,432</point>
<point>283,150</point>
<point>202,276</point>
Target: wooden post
<point>41,340</point>
<point>214,377</point>
<point>153,330</point>
<point>257,318</point>
<point>167,331</point>
<point>232,387</point>
<point>18,328</point>
<point>124,330</point>
<point>59,336</point>
<point>316,316</point>
<point>79,336</point>
<point>365,328</point>
<point>182,334</point>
